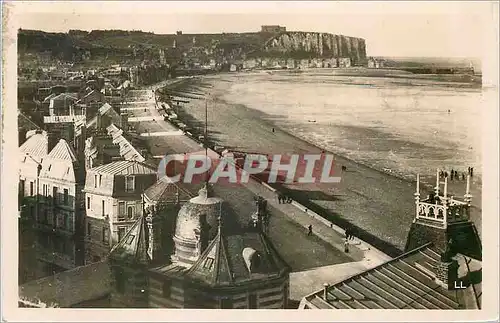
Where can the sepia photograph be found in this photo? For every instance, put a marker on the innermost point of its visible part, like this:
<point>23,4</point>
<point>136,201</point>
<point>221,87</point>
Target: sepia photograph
<point>243,155</point>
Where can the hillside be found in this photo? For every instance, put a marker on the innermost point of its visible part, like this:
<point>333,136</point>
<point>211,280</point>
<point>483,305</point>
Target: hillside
<point>80,45</point>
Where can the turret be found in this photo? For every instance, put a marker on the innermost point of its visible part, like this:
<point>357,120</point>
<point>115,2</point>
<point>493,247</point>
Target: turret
<point>439,218</point>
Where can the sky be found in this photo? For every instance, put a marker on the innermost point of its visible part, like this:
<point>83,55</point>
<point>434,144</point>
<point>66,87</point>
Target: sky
<point>403,29</point>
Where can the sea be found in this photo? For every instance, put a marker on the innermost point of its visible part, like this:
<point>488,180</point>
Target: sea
<point>400,125</point>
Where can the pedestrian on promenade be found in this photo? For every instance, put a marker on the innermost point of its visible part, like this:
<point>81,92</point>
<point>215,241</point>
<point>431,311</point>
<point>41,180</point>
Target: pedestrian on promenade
<point>273,129</point>
<point>463,176</point>
<point>347,233</point>
<point>471,171</point>
<point>456,175</point>
<point>309,230</point>
<point>346,246</point>
<point>351,235</point>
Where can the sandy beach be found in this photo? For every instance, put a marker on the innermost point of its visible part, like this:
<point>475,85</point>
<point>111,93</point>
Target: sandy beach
<point>380,205</point>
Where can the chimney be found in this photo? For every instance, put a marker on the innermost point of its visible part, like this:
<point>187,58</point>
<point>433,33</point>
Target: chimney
<point>447,273</point>
<point>325,291</point>
<point>52,140</point>
<point>124,121</point>
<point>447,268</point>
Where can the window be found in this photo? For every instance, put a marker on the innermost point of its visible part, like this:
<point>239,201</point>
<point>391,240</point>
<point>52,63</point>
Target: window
<point>167,288</point>
<point>129,183</point>
<point>88,202</point>
<point>121,210</point>
<point>252,301</point>
<point>54,194</point>
<point>89,229</point>
<point>22,188</point>
<point>100,180</point>
<point>31,188</point>
<point>130,212</point>
<point>121,233</point>
<point>208,263</point>
<point>95,181</point>
<point>66,200</point>
<point>103,208</point>
<point>130,239</point>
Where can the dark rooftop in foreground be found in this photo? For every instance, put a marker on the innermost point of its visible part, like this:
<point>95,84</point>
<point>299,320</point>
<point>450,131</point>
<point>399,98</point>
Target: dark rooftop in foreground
<point>405,282</point>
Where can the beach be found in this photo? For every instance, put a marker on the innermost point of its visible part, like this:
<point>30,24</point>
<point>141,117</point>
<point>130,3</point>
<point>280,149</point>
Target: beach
<point>375,198</point>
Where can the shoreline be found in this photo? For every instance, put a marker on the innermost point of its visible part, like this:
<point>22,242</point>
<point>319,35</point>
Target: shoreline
<point>363,200</point>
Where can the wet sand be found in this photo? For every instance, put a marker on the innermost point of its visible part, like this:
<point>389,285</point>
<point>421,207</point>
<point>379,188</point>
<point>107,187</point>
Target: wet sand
<point>380,204</point>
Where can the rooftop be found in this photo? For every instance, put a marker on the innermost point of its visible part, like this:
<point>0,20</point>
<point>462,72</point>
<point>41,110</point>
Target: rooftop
<point>124,167</point>
<point>127,149</point>
<point>405,282</point>
<point>133,245</point>
<point>63,151</point>
<point>86,283</point>
<point>36,145</point>
<point>164,190</point>
<point>225,262</point>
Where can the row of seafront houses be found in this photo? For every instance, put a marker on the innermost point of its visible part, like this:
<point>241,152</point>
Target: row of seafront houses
<point>152,243</point>
<point>163,238</point>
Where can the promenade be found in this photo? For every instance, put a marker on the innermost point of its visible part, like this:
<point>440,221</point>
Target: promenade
<point>288,224</point>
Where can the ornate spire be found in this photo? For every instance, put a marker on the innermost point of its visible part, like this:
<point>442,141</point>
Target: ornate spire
<point>206,191</point>
<point>468,196</point>
<point>436,189</point>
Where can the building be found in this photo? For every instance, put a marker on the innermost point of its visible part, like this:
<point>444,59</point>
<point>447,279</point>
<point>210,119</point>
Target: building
<point>61,104</point>
<point>61,207</point>
<point>272,29</point>
<point>211,263</point>
<point>375,63</point>
<point>344,62</point>
<point>107,115</point>
<point>184,251</point>
<point>441,268</point>
<point>32,153</point>
<point>50,186</point>
<point>113,203</point>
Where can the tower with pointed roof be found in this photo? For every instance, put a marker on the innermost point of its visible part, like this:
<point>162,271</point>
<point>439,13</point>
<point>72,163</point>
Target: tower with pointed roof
<point>129,260</point>
<point>441,218</point>
<point>216,265</point>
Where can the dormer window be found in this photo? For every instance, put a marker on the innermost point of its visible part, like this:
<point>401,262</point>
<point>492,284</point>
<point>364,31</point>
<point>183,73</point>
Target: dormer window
<point>130,239</point>
<point>129,184</point>
<point>208,264</point>
<point>95,181</point>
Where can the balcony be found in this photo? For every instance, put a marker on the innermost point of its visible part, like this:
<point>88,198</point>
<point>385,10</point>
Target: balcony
<point>455,211</point>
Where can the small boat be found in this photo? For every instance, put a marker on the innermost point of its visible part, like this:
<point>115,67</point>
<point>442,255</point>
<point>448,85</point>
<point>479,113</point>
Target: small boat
<point>312,121</point>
